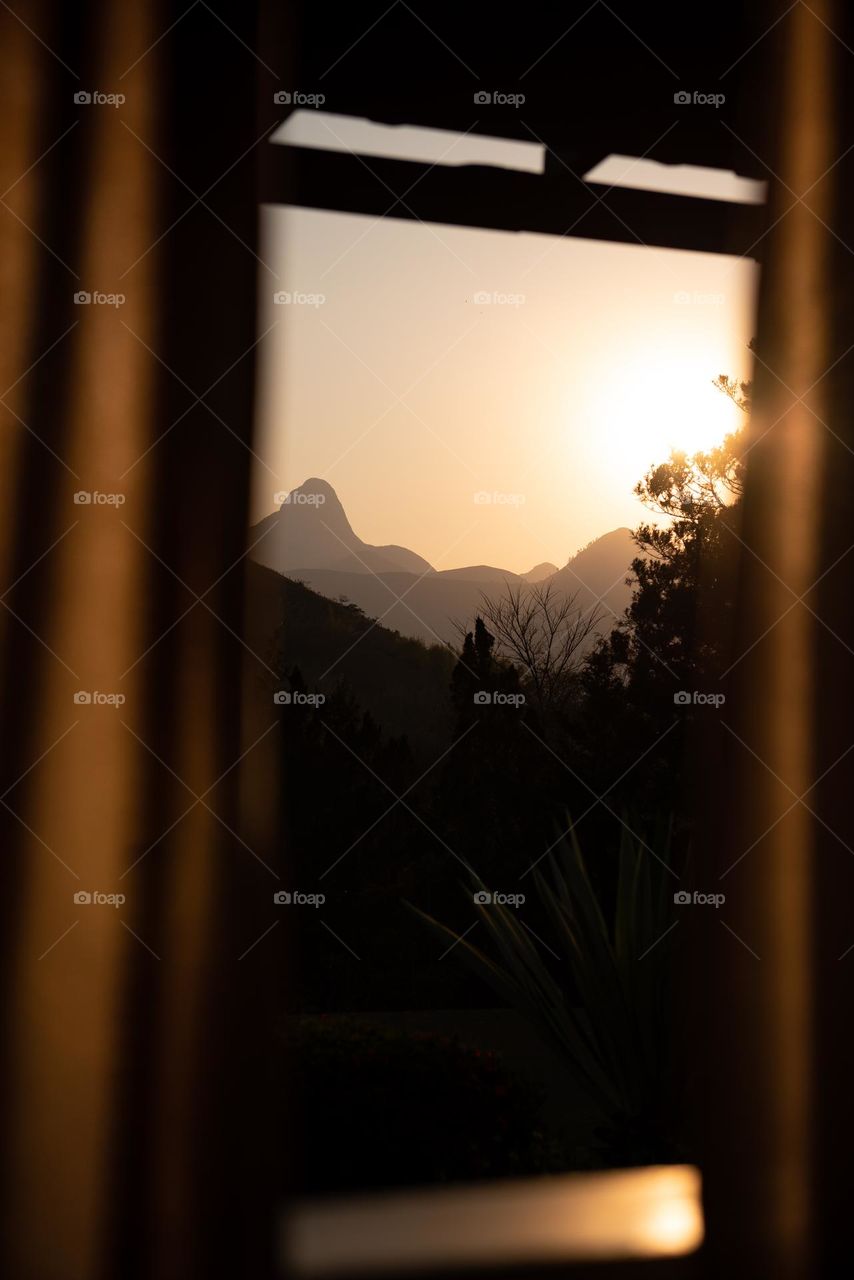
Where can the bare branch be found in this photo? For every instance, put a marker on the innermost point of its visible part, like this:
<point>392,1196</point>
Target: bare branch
<point>543,631</point>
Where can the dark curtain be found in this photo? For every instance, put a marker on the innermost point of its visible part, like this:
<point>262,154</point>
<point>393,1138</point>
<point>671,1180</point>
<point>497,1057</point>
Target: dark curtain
<point>137,1134</point>
<point>776,1002</point>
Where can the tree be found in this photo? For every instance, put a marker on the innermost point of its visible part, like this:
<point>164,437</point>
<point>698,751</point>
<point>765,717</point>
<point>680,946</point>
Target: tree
<point>543,632</point>
<point>682,602</point>
<point>480,671</point>
<point>491,805</point>
<point>675,633</point>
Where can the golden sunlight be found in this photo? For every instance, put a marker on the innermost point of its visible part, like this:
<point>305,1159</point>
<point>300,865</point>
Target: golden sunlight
<point>651,404</point>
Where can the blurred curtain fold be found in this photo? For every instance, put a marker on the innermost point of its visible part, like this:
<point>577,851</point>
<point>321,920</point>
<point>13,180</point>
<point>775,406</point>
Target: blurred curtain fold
<point>778,985</point>
<point>136,1133</point>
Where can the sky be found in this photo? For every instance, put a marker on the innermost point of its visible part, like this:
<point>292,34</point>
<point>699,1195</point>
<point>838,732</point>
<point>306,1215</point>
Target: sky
<point>483,397</point>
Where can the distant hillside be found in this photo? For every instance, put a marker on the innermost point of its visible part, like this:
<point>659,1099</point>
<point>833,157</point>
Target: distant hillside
<point>310,539</point>
<point>425,608</point>
<point>540,572</point>
<point>429,607</point>
<point>478,573</point>
<point>402,682</point>
<point>599,571</point>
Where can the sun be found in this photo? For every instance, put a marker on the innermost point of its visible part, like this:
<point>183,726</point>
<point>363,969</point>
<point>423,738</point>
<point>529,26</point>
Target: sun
<point>647,406</point>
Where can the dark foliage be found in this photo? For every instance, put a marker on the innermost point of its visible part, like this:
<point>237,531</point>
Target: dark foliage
<point>382,1108</point>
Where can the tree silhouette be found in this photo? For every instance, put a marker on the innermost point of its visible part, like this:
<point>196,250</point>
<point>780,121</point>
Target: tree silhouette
<point>543,632</point>
<point>479,675</point>
<point>676,631</point>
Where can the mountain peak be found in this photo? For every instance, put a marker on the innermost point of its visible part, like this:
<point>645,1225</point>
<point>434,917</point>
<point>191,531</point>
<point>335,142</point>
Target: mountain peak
<point>310,531</point>
<point>313,488</point>
<point>540,572</point>
<point>615,539</point>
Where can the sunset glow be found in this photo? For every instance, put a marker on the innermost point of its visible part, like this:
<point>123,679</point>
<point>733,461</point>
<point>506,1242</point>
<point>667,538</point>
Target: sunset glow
<point>653,402</point>
<point>434,363</point>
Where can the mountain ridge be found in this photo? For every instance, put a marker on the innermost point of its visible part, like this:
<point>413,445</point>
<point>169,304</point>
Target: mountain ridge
<point>310,539</point>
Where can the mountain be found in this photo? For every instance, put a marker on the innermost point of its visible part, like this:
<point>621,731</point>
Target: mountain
<point>598,573</point>
<point>311,531</point>
<point>480,573</point>
<point>311,540</point>
<point>540,572</point>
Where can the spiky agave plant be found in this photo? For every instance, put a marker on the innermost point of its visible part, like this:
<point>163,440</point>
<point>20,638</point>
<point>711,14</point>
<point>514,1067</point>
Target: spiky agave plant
<point>607,1018</point>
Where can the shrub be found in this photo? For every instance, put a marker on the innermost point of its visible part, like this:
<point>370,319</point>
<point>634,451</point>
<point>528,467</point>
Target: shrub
<point>385,1108</point>
<point>605,1009</point>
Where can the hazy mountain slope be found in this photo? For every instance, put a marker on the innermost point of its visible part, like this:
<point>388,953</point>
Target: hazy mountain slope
<point>425,608</point>
<point>479,573</point>
<point>403,684</point>
<point>429,607</point>
<point>599,572</point>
